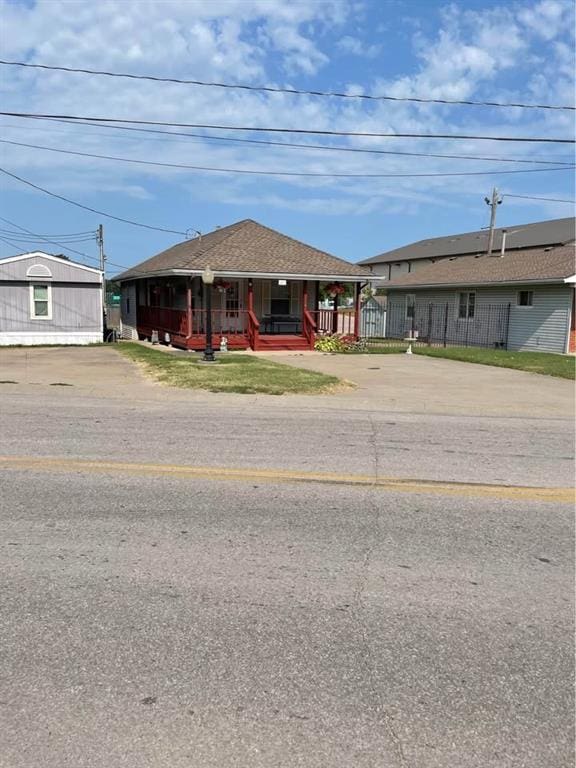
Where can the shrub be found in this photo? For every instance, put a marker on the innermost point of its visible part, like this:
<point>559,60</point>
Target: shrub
<point>332,343</point>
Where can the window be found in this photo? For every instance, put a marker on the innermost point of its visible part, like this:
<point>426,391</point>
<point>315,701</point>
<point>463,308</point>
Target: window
<point>525,298</point>
<point>279,299</point>
<point>232,299</point>
<point>466,305</point>
<point>410,304</point>
<point>40,301</point>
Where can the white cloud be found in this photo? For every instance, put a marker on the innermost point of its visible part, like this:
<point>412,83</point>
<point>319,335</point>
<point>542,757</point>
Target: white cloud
<point>547,18</point>
<point>356,47</point>
<point>473,54</point>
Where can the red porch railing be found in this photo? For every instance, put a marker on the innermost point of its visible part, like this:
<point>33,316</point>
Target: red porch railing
<point>240,326</point>
<point>178,322</point>
<point>224,322</point>
<point>309,328</point>
<point>253,330</point>
<point>163,320</point>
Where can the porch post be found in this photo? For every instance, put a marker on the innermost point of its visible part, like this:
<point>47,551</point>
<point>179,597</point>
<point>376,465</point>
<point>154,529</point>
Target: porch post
<point>250,295</point>
<point>357,310</point>
<point>304,297</point>
<point>189,308</point>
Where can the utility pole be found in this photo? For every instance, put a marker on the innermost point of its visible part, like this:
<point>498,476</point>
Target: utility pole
<point>100,238</point>
<point>493,203</point>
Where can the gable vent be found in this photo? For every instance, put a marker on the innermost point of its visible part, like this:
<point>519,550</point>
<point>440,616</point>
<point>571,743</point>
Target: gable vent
<point>38,270</point>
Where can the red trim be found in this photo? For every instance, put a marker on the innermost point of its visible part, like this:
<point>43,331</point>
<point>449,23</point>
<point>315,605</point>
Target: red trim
<point>250,295</point>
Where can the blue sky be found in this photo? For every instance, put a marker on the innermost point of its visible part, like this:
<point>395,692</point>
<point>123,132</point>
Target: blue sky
<point>471,49</point>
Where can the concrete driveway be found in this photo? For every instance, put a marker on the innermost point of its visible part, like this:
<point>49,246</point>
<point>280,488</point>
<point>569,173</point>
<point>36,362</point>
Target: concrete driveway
<point>95,370</point>
<point>393,383</point>
<point>411,383</point>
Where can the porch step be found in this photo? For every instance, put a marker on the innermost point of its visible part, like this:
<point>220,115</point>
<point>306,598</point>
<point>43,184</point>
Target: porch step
<point>282,342</point>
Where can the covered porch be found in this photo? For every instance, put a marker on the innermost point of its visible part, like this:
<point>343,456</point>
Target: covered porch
<point>248,312</point>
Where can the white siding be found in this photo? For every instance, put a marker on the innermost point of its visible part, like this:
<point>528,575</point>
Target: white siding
<point>76,308</point>
<point>128,311</point>
<point>393,269</point>
<point>61,270</point>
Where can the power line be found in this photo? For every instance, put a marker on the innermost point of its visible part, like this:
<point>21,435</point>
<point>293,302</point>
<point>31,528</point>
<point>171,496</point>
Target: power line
<point>294,91</point>
<point>12,245</point>
<point>48,238</point>
<point>87,208</point>
<point>51,242</point>
<point>256,172</point>
<point>550,199</point>
<point>316,132</point>
<point>55,242</point>
<point>88,233</point>
<point>290,145</point>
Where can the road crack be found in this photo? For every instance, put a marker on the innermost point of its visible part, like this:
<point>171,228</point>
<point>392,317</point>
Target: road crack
<point>372,533</point>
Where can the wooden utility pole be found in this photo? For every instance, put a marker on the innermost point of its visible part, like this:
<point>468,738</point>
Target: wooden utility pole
<point>100,238</point>
<point>493,203</point>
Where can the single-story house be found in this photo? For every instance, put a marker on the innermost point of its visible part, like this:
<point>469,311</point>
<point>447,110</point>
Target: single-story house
<point>265,293</point>
<point>521,300</point>
<point>47,299</point>
<point>410,258</point>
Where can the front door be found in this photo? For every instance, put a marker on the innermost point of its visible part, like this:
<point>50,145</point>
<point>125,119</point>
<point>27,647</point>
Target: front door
<point>231,308</point>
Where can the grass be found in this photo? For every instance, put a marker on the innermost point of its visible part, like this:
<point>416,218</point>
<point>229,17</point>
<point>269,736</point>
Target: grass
<point>233,372</point>
<point>548,364</point>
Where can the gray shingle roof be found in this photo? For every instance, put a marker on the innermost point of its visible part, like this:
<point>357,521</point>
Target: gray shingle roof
<point>541,233</point>
<point>250,248</point>
<point>531,265</point>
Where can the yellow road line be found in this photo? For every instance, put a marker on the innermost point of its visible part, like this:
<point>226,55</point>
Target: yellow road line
<point>247,474</point>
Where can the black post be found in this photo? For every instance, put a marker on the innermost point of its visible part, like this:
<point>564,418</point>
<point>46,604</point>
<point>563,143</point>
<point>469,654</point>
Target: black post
<point>208,351</point>
<point>430,324</point>
<point>507,325</point>
<point>445,322</point>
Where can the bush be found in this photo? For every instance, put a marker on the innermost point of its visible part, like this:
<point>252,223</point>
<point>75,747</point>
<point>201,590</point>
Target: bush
<point>332,343</point>
<point>339,343</point>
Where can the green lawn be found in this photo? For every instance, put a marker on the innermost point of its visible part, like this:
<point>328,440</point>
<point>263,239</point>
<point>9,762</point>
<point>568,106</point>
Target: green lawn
<point>561,366</point>
<point>234,372</point>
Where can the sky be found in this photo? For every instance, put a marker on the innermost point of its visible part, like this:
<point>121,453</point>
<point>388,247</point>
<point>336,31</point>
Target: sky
<point>480,50</point>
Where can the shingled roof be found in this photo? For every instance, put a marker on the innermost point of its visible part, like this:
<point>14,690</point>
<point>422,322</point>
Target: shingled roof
<point>249,248</point>
<point>535,265</point>
<point>537,234</point>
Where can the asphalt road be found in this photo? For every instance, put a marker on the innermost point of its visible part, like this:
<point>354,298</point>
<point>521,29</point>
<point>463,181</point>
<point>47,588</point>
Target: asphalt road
<point>244,617</point>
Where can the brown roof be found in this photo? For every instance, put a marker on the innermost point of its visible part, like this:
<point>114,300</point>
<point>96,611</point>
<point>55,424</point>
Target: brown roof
<point>538,234</point>
<point>247,247</point>
<point>530,265</point>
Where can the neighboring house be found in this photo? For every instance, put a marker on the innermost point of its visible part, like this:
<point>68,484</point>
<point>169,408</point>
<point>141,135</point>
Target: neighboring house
<point>265,294</point>
<point>410,258</point>
<point>47,299</point>
<point>521,300</point>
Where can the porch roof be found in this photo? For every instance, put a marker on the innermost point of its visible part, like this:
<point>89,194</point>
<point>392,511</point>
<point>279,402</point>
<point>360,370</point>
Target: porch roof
<point>248,249</point>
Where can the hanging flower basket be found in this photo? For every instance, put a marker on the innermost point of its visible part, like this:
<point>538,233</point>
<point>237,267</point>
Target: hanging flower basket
<point>222,285</point>
<point>335,289</point>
